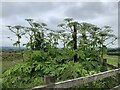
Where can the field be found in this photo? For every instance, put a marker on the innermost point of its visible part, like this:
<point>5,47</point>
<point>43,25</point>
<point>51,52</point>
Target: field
<point>0,81</point>
<point>11,59</point>
<point>111,59</point>
<point>8,60</point>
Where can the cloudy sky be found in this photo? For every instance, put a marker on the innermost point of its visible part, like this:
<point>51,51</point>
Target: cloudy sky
<point>53,13</point>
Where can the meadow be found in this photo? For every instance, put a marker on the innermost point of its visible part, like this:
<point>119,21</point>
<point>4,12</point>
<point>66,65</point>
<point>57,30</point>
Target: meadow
<point>113,60</point>
<point>10,59</point>
<point>15,58</point>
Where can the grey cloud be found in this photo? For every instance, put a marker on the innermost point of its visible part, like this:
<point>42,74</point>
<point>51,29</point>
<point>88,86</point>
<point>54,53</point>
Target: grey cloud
<point>90,10</point>
<point>55,21</point>
<point>119,24</point>
<point>22,8</point>
<point>53,13</point>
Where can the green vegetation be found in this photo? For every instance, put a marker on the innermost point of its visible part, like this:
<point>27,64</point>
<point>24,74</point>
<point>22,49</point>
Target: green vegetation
<point>114,53</point>
<point>0,83</point>
<point>10,59</point>
<point>84,47</point>
<point>6,63</point>
<point>113,60</point>
<point>31,73</point>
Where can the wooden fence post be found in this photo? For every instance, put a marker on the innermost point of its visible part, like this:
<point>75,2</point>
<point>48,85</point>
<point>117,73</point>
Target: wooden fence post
<point>50,81</point>
<point>104,65</point>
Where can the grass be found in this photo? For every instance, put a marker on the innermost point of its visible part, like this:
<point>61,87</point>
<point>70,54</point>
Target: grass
<point>0,81</point>
<point>111,59</point>
<point>7,64</point>
<point>10,59</point>
<point>13,58</point>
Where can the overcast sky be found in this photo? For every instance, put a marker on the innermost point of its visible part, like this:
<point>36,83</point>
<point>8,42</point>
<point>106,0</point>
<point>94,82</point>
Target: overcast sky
<point>53,13</point>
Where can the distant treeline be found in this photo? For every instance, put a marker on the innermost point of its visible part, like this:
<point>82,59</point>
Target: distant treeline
<point>114,53</point>
<point>7,49</point>
<point>11,49</point>
<point>113,49</point>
